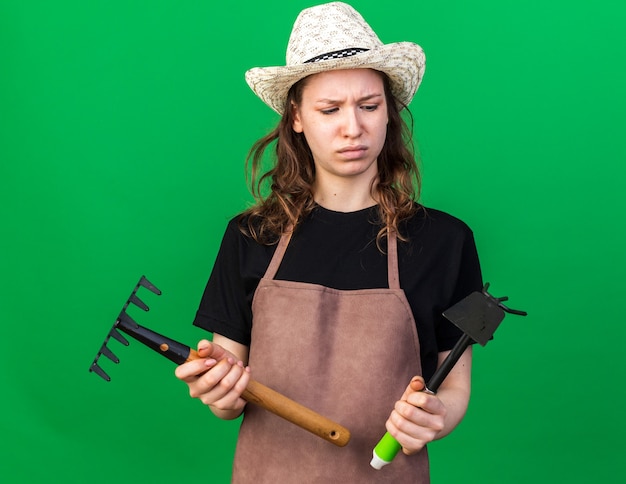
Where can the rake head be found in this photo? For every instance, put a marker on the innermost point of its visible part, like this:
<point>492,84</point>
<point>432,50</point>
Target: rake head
<point>126,324</point>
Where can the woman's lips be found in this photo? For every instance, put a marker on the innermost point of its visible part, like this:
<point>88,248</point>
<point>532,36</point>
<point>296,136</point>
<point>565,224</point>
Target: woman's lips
<point>353,152</point>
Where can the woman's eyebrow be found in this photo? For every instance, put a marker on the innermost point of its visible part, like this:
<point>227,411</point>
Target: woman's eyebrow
<point>368,97</point>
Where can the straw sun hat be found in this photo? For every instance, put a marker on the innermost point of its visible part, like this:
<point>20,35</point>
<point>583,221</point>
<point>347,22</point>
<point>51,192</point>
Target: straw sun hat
<point>335,36</point>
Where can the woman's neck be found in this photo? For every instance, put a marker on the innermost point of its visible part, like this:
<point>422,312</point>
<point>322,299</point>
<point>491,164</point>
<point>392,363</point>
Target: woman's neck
<point>344,195</point>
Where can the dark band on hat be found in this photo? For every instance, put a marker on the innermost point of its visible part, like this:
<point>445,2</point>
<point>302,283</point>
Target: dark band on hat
<point>338,54</point>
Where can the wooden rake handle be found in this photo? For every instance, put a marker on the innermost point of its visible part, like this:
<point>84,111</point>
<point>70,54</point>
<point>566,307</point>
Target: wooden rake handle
<point>292,411</point>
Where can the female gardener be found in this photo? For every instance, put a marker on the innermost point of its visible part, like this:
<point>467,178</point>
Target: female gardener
<point>330,289</point>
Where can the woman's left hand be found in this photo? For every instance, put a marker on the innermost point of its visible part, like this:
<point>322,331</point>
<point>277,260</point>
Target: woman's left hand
<point>420,417</point>
<point>417,418</point>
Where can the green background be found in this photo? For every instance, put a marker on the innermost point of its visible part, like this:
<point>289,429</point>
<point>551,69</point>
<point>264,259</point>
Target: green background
<point>123,129</point>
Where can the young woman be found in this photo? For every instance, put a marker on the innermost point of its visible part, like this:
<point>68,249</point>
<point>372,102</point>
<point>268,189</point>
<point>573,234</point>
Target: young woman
<point>330,289</point>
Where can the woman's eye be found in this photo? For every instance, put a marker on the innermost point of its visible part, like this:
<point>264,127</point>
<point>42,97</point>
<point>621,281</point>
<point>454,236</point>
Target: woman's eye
<point>329,111</point>
<point>370,107</point>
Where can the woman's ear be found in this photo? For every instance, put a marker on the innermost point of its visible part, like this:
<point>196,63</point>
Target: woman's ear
<point>295,114</point>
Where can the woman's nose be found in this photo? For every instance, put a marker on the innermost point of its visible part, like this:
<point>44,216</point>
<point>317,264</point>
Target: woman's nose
<point>352,124</point>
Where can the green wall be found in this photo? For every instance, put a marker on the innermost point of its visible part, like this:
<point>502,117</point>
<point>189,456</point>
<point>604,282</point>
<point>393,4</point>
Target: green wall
<point>123,128</point>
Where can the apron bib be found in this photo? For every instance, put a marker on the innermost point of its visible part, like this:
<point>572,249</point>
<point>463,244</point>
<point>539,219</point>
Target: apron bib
<point>347,355</point>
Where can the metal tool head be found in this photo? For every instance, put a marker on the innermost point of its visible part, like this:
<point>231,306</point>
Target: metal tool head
<point>479,315</point>
<point>125,319</point>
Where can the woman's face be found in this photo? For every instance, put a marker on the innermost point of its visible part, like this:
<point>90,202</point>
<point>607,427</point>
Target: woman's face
<point>343,116</point>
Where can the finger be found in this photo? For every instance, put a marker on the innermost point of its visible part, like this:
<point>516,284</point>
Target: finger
<point>233,399</point>
<point>221,383</point>
<point>428,402</point>
<point>204,348</point>
<point>410,436</point>
<point>208,349</point>
<point>416,430</point>
<point>417,384</point>
<point>416,423</point>
<point>191,370</point>
<point>213,377</point>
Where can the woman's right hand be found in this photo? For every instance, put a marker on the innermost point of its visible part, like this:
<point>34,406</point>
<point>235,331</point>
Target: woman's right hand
<point>219,376</point>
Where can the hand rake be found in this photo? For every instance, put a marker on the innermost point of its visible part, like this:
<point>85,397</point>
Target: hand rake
<point>179,353</point>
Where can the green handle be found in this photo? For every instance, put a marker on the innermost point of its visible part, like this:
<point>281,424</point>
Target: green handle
<point>385,451</point>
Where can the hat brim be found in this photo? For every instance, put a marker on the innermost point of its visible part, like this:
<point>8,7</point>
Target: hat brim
<point>403,62</point>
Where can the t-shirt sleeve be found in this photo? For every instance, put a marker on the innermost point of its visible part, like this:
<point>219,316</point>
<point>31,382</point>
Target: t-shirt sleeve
<point>468,279</point>
<point>224,307</point>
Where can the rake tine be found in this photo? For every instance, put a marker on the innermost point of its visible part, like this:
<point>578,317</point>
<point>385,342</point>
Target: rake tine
<point>138,302</point>
<point>118,336</point>
<point>109,354</point>
<point>126,319</point>
<point>499,300</point>
<point>99,371</point>
<point>148,285</point>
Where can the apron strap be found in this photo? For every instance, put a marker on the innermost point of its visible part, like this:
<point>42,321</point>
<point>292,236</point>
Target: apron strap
<point>393,274</point>
<point>277,258</point>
